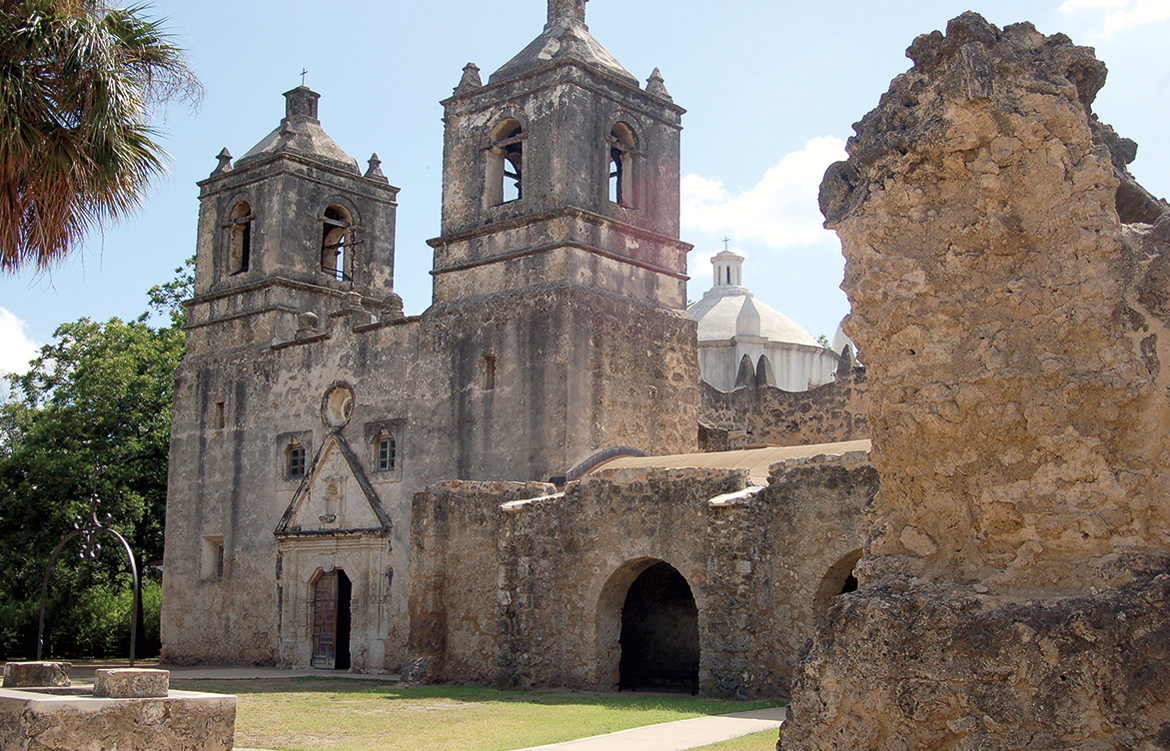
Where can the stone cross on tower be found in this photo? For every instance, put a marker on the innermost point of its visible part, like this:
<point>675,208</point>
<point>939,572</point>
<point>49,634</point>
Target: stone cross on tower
<point>566,10</point>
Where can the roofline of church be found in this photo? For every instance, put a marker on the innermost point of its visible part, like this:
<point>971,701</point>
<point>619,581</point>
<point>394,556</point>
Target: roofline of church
<point>553,66</point>
<point>328,166</point>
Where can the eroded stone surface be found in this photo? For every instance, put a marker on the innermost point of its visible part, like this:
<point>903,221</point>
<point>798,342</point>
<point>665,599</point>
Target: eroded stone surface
<point>950,668</point>
<point>184,721</point>
<point>36,674</point>
<point>131,683</point>
<point>1012,342</point>
<point>761,414</point>
<point>1009,302</point>
<point>530,593</point>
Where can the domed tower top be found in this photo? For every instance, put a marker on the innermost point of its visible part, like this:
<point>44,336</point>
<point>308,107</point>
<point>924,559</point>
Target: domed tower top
<point>562,169</point>
<point>295,208</point>
<point>565,37</point>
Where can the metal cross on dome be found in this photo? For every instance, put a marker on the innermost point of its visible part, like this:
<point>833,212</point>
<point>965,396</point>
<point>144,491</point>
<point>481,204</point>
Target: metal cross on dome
<point>304,72</point>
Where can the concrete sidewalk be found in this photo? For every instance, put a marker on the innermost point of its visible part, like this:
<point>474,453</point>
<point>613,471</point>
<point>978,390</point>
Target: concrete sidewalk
<point>677,736</point>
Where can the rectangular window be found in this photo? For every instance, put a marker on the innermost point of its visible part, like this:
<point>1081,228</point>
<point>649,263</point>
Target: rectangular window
<point>387,451</point>
<point>219,418</point>
<point>213,556</point>
<point>296,461</point>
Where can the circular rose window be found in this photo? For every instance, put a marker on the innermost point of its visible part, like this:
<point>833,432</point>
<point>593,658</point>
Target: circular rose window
<point>337,405</point>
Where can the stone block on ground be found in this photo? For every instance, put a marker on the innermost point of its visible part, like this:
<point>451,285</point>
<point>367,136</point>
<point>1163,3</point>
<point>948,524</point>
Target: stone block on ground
<point>36,674</point>
<point>183,721</point>
<point>131,683</point>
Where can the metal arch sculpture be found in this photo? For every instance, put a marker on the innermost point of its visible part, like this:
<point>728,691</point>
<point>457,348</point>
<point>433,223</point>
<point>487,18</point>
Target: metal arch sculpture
<point>91,529</point>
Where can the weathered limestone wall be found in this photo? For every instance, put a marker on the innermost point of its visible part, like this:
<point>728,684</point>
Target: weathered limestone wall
<point>1015,576</point>
<point>566,381</point>
<point>766,415</point>
<point>453,550</point>
<point>181,721</point>
<point>530,593</point>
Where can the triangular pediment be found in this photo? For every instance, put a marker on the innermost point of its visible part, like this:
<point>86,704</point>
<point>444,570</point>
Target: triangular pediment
<point>335,497</point>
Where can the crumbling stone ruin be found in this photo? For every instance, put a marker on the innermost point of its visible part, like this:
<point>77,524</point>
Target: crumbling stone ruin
<point>1008,287</point>
<point>519,586</point>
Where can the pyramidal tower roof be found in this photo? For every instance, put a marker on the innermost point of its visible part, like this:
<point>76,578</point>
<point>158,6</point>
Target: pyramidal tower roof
<point>565,37</point>
<point>300,133</point>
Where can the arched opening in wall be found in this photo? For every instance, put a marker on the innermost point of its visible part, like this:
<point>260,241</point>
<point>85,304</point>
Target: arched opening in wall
<point>337,242</point>
<point>240,224</point>
<point>331,620</point>
<point>621,165</point>
<point>838,580</point>
<point>659,639</point>
<point>505,163</point>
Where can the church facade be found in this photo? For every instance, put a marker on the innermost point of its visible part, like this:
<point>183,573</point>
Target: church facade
<point>310,414</point>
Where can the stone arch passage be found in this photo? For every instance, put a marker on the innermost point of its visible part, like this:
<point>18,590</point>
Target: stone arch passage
<point>838,580</point>
<point>331,620</point>
<point>659,632</point>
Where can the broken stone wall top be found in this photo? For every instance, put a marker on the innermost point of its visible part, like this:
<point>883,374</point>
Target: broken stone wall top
<point>1011,319</point>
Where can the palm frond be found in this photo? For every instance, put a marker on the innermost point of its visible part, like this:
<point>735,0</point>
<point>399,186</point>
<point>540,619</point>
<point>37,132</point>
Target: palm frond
<point>78,83</point>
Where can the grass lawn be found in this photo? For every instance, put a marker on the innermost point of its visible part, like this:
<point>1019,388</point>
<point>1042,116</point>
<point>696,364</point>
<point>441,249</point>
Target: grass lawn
<point>765,741</point>
<point>313,714</point>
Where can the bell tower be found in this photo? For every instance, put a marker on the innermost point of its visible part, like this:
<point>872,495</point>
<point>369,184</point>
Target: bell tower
<point>560,250</point>
<point>561,170</point>
<point>292,227</point>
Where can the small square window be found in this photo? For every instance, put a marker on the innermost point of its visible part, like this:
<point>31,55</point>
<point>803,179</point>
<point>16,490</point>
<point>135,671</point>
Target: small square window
<point>386,454</point>
<point>296,461</point>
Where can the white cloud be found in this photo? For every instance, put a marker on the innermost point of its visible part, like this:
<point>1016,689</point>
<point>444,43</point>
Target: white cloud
<point>16,349</point>
<point>1121,14</point>
<point>781,210</point>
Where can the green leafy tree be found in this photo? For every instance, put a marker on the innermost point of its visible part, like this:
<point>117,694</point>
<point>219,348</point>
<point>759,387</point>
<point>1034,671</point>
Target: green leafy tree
<point>97,396</point>
<point>79,80</point>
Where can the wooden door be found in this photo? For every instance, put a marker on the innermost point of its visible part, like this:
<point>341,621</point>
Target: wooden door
<point>325,622</point>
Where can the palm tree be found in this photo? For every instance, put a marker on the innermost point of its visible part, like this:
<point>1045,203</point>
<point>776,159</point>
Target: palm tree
<point>78,82</point>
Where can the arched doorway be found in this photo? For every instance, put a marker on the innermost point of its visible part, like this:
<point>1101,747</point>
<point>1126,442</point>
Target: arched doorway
<point>838,580</point>
<point>331,620</point>
<point>659,632</point>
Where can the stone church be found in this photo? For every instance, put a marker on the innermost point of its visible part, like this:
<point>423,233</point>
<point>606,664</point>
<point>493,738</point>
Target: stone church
<point>476,492</point>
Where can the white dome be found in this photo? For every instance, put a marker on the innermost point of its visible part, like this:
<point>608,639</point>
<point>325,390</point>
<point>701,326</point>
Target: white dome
<point>726,311</point>
<point>736,331</point>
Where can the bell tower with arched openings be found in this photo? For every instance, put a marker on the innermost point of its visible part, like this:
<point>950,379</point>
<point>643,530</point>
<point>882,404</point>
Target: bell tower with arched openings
<point>561,169</point>
<point>560,251</point>
<point>292,226</point>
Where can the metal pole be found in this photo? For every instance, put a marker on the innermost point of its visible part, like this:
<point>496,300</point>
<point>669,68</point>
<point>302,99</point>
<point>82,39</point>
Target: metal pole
<point>137,589</point>
<point>45,589</point>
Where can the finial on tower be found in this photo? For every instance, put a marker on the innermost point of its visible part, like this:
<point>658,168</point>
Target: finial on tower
<point>225,162</point>
<point>470,80</point>
<point>560,11</point>
<point>656,86</point>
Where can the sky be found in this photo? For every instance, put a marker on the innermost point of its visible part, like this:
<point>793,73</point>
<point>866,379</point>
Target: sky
<point>771,88</point>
